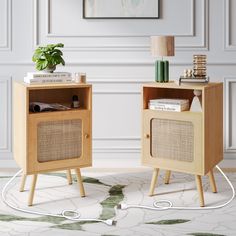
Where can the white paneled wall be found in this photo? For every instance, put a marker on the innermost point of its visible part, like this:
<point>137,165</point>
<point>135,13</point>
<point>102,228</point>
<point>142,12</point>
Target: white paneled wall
<point>115,55</point>
<point>5,116</point>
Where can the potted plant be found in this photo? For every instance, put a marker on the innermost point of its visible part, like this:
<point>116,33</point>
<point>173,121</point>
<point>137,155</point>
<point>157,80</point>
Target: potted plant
<point>48,57</point>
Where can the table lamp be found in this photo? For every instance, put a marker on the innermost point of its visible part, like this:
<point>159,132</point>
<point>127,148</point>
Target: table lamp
<point>162,46</point>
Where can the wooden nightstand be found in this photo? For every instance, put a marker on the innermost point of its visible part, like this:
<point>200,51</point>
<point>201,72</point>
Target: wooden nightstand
<point>190,142</point>
<point>55,140</point>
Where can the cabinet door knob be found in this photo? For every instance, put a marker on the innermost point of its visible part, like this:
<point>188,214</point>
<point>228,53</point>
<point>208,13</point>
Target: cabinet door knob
<point>147,136</point>
<point>86,136</point>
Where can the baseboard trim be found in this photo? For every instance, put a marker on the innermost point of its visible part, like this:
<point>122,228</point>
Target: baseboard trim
<point>118,165</point>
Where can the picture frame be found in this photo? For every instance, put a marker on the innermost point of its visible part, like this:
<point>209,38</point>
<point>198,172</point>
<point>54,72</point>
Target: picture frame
<point>120,9</point>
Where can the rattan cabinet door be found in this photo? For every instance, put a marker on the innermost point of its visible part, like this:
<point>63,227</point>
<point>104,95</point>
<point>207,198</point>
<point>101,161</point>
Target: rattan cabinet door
<point>173,141</point>
<point>59,140</point>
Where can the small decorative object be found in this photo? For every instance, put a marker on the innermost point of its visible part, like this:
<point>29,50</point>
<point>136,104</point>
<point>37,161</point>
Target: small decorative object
<point>120,9</point>
<point>162,46</point>
<point>80,78</point>
<point>48,57</point>
<point>41,107</point>
<point>77,77</point>
<point>198,74</point>
<point>196,105</point>
<point>83,78</point>
<point>188,73</point>
<point>185,73</point>
<point>199,65</point>
<point>75,101</point>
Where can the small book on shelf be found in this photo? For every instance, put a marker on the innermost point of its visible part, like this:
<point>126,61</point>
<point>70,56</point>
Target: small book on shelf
<point>168,104</point>
<point>191,80</point>
<point>36,75</point>
<point>47,80</point>
<point>42,77</point>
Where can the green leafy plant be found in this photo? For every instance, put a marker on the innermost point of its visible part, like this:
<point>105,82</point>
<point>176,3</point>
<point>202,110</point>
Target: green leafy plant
<point>48,57</point>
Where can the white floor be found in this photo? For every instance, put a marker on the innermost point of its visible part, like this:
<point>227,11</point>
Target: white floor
<point>53,195</point>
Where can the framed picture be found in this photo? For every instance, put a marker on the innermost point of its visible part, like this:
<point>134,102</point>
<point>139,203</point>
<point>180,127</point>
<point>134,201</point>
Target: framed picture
<point>121,9</point>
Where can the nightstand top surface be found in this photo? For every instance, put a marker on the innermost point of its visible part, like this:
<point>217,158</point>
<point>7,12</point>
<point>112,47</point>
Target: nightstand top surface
<point>174,85</point>
<point>53,85</point>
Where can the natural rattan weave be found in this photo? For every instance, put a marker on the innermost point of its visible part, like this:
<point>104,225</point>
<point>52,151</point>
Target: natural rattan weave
<point>172,139</point>
<point>59,140</point>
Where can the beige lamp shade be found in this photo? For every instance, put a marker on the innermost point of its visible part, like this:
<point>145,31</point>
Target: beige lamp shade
<point>163,45</point>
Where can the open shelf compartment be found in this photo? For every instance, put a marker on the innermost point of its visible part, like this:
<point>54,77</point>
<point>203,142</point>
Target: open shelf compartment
<point>62,96</point>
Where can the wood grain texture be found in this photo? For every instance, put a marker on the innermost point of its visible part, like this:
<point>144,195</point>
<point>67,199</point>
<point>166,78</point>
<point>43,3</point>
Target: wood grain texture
<point>22,185</point>
<point>213,126</point>
<point>195,167</point>
<point>212,181</point>
<point>154,181</point>
<point>32,190</point>
<point>200,190</point>
<point>20,121</point>
<point>26,123</point>
<point>80,182</point>
<point>167,176</point>
<point>26,126</point>
<point>207,125</point>
<point>69,177</point>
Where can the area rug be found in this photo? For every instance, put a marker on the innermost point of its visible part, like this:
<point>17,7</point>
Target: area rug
<point>104,192</point>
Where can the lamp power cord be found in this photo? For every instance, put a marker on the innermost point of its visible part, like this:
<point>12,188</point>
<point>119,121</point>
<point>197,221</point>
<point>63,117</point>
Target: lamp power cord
<point>66,214</point>
<point>158,205</point>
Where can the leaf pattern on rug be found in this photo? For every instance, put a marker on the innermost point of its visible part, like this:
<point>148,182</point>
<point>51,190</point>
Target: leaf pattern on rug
<point>169,222</point>
<point>109,235</point>
<point>205,234</point>
<point>89,180</point>
<point>108,205</point>
<point>73,226</point>
<point>49,219</point>
<point>115,197</point>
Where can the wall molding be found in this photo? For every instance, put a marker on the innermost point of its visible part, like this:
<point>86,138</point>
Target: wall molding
<point>7,147</point>
<point>117,150</point>
<point>117,92</point>
<point>49,34</point>
<point>204,45</point>
<point>227,45</point>
<point>111,162</point>
<point>119,80</point>
<point>227,81</point>
<point>115,63</point>
<point>118,138</point>
<point>7,45</point>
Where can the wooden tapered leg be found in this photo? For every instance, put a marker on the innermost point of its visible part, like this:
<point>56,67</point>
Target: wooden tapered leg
<point>200,190</point>
<point>212,181</point>
<point>167,177</point>
<point>80,182</point>
<point>22,185</point>
<point>31,194</point>
<point>154,181</point>
<point>69,178</point>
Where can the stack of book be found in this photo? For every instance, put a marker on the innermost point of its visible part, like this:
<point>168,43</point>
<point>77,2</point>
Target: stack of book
<point>196,80</point>
<point>42,77</point>
<point>165,104</point>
